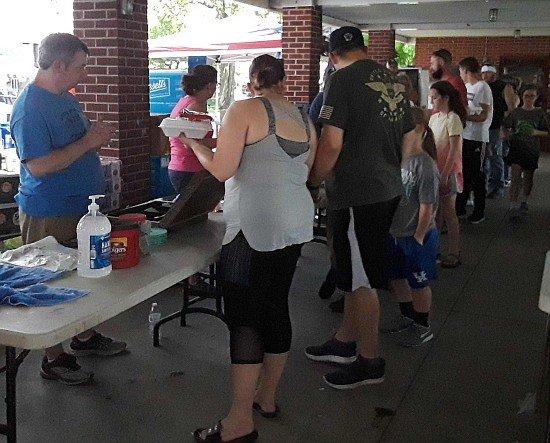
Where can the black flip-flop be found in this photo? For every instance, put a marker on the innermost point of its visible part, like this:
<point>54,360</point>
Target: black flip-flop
<point>214,435</point>
<point>266,414</point>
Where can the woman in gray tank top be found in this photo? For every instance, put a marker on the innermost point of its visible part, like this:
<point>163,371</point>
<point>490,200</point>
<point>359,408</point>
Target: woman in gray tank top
<point>265,150</point>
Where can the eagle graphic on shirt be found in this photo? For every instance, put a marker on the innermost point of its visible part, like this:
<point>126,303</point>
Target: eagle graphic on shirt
<point>391,94</point>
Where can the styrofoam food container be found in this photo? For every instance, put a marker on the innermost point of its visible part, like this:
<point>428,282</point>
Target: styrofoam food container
<point>173,127</point>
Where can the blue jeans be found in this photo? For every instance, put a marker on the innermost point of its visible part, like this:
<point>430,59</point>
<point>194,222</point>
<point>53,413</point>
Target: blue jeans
<point>494,163</point>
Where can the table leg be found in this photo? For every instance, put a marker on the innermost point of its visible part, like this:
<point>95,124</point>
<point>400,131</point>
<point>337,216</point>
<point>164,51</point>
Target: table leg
<point>11,375</point>
<point>543,396</point>
<point>9,429</point>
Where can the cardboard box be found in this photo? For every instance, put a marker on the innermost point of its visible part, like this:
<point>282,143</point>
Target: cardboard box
<point>199,197</point>
<point>112,185</point>
<point>111,167</point>
<point>110,202</point>
<point>160,145</point>
<point>9,186</point>
<point>9,219</point>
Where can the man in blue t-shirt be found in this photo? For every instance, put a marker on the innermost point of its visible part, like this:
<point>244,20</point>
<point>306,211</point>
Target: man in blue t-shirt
<point>60,168</point>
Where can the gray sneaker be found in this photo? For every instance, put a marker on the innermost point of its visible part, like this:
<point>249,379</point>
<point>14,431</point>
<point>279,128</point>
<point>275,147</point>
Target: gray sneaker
<point>97,345</point>
<point>66,370</point>
<point>415,335</point>
<point>523,208</point>
<point>513,214</point>
<point>396,324</point>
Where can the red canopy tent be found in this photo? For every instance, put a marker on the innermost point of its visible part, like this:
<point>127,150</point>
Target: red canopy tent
<point>230,39</point>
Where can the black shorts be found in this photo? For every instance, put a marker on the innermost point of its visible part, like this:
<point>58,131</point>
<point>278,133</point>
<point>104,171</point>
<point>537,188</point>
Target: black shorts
<point>360,235</point>
<point>525,158</point>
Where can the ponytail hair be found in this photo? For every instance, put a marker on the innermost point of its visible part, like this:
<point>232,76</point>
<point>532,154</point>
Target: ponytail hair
<point>200,76</point>
<point>265,72</point>
<point>428,143</point>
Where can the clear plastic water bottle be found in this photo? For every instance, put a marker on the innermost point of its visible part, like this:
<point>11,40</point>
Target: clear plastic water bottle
<point>154,317</point>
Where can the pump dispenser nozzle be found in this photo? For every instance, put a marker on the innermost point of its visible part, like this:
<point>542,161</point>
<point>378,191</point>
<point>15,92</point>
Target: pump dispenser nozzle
<point>94,207</point>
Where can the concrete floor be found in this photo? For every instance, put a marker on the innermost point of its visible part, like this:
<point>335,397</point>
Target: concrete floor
<point>464,386</point>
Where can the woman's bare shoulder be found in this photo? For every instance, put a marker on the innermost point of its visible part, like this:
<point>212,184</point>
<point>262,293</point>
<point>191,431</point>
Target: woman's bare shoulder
<point>248,109</point>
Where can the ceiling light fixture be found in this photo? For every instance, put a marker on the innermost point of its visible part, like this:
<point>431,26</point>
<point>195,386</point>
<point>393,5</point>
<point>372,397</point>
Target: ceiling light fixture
<point>493,14</point>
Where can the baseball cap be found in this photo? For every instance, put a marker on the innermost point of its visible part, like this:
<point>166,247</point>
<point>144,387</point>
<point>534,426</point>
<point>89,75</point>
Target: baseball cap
<point>346,36</point>
<point>488,68</point>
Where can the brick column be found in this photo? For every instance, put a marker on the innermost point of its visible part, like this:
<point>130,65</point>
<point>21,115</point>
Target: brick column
<point>381,46</point>
<point>118,85</point>
<point>301,42</point>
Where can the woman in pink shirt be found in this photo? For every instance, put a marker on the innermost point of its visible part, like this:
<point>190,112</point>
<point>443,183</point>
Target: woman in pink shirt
<point>199,86</point>
<point>447,124</point>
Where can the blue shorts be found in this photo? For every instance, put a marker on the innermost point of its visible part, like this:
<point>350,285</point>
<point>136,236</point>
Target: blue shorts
<point>414,262</point>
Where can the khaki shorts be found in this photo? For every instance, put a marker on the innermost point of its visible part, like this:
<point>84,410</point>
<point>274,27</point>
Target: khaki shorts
<point>63,228</point>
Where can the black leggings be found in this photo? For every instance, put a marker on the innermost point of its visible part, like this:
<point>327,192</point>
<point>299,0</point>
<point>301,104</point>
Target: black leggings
<point>255,287</point>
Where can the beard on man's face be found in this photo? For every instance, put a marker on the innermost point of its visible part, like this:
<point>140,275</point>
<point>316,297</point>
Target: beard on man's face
<point>437,74</point>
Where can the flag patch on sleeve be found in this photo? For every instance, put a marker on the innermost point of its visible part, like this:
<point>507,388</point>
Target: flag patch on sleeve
<point>326,112</point>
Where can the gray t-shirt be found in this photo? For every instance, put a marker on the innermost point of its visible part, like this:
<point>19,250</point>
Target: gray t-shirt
<point>421,185</point>
<point>365,100</point>
<point>522,122</point>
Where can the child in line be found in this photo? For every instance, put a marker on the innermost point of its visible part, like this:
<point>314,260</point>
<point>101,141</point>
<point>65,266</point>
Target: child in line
<point>414,237</point>
<point>522,128</point>
<point>447,125</point>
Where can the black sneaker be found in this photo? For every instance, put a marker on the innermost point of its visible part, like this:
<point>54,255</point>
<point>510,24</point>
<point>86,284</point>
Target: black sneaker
<point>338,305</point>
<point>475,219</point>
<point>523,208</point>
<point>66,370</point>
<point>97,345</point>
<point>329,285</point>
<point>333,351</point>
<point>361,372</point>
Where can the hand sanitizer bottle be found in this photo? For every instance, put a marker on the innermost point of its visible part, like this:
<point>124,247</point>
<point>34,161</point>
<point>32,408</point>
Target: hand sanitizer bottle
<point>93,233</point>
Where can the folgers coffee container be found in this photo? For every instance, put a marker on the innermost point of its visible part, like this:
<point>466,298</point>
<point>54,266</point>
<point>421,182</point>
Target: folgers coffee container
<point>144,227</point>
<point>124,245</point>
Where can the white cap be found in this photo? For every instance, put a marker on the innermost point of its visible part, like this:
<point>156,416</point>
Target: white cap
<point>488,68</point>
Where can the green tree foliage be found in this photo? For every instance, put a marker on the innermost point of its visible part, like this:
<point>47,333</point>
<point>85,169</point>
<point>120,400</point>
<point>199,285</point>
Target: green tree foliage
<point>405,54</point>
<point>223,8</point>
<point>171,16</point>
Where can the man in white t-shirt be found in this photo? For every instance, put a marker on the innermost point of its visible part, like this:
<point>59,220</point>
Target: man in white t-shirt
<point>475,139</point>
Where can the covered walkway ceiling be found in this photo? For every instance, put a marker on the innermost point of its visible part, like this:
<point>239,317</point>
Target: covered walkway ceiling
<point>431,18</point>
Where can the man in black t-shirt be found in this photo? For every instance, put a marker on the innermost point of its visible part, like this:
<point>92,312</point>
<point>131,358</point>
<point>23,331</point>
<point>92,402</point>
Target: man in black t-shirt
<point>364,117</point>
<point>494,165</point>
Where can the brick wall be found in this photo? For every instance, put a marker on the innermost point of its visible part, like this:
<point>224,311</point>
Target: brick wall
<point>117,87</point>
<point>489,49</point>
<point>381,46</point>
<point>301,43</point>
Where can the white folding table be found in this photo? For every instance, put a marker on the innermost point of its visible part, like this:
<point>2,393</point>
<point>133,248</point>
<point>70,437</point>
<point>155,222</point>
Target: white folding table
<point>187,252</point>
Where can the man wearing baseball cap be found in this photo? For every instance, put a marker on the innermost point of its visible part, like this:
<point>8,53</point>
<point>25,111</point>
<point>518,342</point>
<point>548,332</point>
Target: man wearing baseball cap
<point>364,119</point>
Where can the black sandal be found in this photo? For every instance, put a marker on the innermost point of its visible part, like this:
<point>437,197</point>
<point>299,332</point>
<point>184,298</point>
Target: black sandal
<point>214,435</point>
<point>266,414</point>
